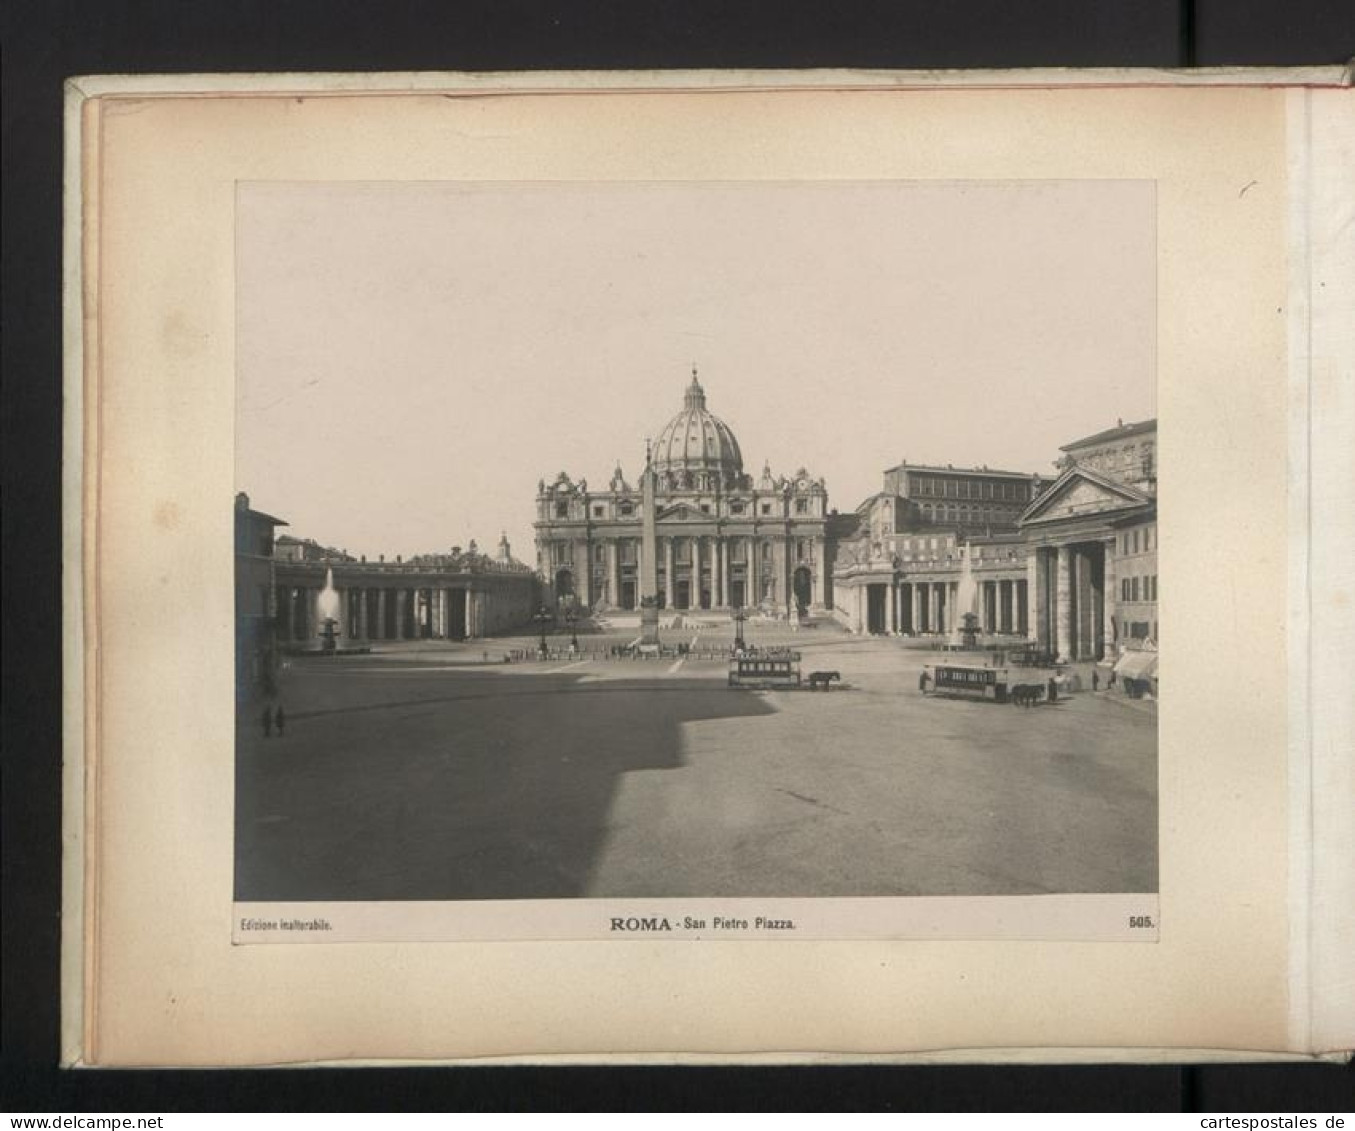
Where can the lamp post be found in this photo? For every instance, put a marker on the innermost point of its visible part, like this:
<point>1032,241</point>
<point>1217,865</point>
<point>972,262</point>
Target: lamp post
<point>542,618</point>
<point>739,618</point>
<point>571,619</point>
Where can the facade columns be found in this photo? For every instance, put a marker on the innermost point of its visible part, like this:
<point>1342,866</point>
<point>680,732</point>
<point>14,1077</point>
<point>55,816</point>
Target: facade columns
<point>817,568</point>
<point>722,564</point>
<point>380,633</point>
<point>613,575</point>
<point>916,598</point>
<point>934,607</point>
<point>401,604</point>
<point>1063,603</point>
<point>892,600</point>
<point>668,587</point>
<point>754,586</point>
<point>1110,595</point>
<point>1037,626</point>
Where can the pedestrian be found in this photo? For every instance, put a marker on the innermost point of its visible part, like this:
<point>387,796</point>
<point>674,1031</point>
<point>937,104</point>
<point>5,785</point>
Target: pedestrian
<point>1110,681</point>
<point>922,682</point>
<point>1096,680</point>
<point>280,719</point>
<point>267,721</point>
<point>1053,690</point>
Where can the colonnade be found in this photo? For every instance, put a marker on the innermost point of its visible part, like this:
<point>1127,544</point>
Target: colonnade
<point>920,608</point>
<point>382,613</point>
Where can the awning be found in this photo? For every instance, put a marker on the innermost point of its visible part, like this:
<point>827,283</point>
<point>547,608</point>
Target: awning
<point>1136,665</point>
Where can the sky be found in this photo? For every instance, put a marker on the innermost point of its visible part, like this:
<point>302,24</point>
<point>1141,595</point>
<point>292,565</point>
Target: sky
<point>413,357</point>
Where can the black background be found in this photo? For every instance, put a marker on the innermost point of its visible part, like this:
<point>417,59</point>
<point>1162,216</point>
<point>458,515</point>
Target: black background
<point>44,41</point>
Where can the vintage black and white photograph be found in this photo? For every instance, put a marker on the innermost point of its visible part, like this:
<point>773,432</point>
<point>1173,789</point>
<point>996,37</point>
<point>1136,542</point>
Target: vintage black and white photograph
<point>695,541</point>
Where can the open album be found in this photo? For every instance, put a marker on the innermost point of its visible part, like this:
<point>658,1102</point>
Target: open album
<point>709,566</point>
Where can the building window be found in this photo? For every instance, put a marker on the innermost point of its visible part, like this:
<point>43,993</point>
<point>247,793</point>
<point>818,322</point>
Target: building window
<point>736,508</point>
<point>561,510</point>
<point>766,508</point>
<point>599,553</point>
<point>801,506</point>
<point>705,508</point>
<point>627,509</point>
<point>597,512</point>
<point>628,553</point>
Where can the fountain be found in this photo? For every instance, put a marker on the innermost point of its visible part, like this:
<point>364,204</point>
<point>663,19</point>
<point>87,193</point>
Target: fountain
<point>327,605</point>
<point>965,633</point>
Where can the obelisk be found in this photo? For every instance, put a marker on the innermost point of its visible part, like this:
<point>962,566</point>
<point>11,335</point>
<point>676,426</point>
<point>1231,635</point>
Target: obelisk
<point>649,556</point>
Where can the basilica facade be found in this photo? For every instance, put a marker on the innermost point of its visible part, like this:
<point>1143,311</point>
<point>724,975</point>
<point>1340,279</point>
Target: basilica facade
<point>726,539</point>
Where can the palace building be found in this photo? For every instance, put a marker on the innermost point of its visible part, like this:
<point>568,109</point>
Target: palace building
<point>725,539</point>
<point>1070,565</point>
<point>917,543</point>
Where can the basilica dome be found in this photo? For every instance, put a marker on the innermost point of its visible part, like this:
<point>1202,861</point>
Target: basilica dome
<point>697,440</point>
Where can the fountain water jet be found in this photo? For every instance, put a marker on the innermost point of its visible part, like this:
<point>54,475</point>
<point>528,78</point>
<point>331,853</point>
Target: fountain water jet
<point>327,605</point>
<point>965,629</point>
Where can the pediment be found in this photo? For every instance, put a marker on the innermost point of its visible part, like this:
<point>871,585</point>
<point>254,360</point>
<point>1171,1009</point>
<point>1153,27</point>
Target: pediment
<point>1081,494</point>
<point>682,512</point>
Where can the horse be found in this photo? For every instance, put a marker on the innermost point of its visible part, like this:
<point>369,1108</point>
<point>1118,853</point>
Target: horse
<point>1026,694</point>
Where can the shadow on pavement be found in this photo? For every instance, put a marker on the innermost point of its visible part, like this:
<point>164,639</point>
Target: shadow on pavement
<point>451,786</point>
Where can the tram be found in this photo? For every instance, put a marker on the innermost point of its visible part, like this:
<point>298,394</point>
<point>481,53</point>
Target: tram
<point>765,669</point>
<point>969,681</point>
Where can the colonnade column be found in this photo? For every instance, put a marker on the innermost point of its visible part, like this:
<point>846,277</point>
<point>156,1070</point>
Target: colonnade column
<point>613,575</point>
<point>892,599</point>
<point>917,607</point>
<point>1110,596</point>
<point>754,594</point>
<point>1063,604</point>
<point>668,587</point>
